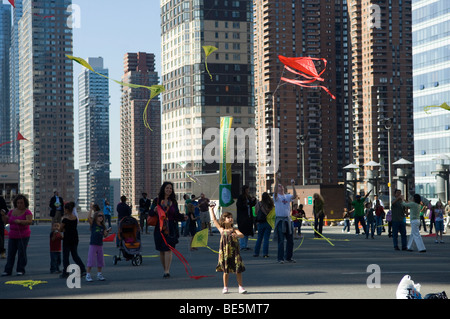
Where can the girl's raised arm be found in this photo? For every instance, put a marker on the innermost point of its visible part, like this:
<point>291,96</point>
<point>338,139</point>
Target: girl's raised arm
<point>213,217</point>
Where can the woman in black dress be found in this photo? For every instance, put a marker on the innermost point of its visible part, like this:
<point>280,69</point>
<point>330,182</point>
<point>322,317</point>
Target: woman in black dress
<point>167,201</point>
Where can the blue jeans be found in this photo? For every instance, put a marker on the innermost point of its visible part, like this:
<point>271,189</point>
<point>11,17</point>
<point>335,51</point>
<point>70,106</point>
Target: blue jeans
<point>370,228</point>
<point>55,261</point>
<point>346,225</point>
<point>243,242</point>
<point>396,228</point>
<point>17,246</point>
<point>263,237</point>
<point>379,221</point>
<point>289,243</point>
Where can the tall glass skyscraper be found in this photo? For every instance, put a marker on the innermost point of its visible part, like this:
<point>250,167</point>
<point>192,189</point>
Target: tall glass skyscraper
<point>5,39</point>
<point>46,103</point>
<point>93,103</point>
<point>431,59</point>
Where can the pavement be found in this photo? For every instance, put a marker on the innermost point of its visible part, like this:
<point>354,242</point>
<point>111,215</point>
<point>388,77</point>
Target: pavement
<point>336,268</point>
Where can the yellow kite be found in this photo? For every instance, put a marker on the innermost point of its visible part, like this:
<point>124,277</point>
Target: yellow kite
<point>26,283</point>
<point>201,240</point>
<point>208,50</point>
<point>154,89</point>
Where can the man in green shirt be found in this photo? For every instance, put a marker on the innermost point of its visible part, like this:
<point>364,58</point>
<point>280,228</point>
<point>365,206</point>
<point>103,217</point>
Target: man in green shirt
<point>358,209</point>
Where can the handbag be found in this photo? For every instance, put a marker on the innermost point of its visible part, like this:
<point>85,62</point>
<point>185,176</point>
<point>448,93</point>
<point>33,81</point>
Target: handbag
<point>152,220</point>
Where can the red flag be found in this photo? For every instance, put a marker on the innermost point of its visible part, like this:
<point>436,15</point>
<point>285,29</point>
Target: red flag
<point>12,3</point>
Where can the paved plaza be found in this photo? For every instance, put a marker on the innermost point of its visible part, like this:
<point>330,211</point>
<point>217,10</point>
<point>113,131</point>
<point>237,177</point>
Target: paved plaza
<point>321,271</point>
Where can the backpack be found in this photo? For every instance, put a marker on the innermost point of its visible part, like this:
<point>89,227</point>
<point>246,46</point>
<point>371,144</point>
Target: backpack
<point>389,216</point>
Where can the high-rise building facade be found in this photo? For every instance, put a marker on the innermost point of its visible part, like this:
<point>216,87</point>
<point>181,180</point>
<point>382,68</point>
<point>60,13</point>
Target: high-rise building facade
<point>93,112</point>
<point>193,101</point>
<point>140,148</point>
<point>5,121</point>
<point>431,58</point>
<point>46,103</point>
<point>14,83</point>
<point>382,97</point>
<point>314,141</point>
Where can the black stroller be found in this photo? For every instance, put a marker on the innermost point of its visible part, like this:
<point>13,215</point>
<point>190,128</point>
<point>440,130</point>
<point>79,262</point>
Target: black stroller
<point>129,241</point>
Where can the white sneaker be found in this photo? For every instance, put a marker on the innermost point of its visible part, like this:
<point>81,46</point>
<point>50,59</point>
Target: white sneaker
<point>225,290</point>
<point>88,277</point>
<point>242,290</point>
<point>100,277</point>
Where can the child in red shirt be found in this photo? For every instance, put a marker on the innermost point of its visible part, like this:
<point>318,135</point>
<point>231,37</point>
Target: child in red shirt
<point>55,249</point>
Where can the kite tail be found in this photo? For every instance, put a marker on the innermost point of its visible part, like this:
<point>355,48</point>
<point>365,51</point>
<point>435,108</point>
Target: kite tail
<point>182,259</point>
<point>206,66</point>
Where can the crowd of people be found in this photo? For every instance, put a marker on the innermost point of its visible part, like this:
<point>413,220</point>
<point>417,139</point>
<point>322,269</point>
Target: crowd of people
<point>251,217</point>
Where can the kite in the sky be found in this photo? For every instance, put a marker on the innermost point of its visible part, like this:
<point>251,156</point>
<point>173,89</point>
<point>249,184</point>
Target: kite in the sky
<point>19,138</point>
<point>154,89</point>
<point>201,240</point>
<point>304,67</point>
<point>444,106</point>
<point>208,50</point>
<point>12,3</point>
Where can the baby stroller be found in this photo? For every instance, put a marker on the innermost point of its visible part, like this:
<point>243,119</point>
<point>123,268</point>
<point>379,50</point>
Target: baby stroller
<point>129,241</point>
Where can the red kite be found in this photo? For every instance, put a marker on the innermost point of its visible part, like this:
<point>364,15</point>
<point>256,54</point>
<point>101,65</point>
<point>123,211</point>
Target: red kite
<point>304,67</point>
<point>19,138</point>
<point>12,3</point>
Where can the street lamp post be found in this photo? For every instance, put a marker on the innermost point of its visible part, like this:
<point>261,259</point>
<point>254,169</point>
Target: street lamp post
<point>302,143</point>
<point>387,122</point>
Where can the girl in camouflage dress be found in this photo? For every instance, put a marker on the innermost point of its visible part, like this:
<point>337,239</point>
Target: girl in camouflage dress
<point>230,260</point>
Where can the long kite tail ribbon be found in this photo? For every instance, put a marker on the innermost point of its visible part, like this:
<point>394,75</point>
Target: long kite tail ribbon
<point>444,106</point>
<point>154,89</point>
<point>302,83</point>
<point>187,267</point>
<point>316,230</point>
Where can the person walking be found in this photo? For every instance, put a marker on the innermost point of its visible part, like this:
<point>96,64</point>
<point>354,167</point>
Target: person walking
<point>379,214</point>
<point>3,210</point>
<point>414,215</point>
<point>244,213</point>
<point>346,221</point>
<point>262,209</point>
<point>144,208</point>
<point>203,205</point>
<point>96,220</point>
<point>165,206</point>
<point>319,214</point>
<point>370,219</point>
<point>69,229</point>
<point>56,207</point>
<point>107,211</point>
<point>439,221</point>
<point>398,220</point>
<point>123,210</point>
<point>423,210</point>
<point>283,222</point>
<point>19,219</point>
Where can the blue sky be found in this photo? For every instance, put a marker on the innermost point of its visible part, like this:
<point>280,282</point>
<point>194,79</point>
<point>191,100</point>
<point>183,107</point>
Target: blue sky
<point>109,29</point>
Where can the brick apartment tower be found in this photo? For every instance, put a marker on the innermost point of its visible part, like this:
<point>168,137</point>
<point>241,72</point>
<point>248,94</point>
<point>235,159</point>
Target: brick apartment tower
<point>314,28</point>
<point>381,43</point>
<point>140,148</point>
